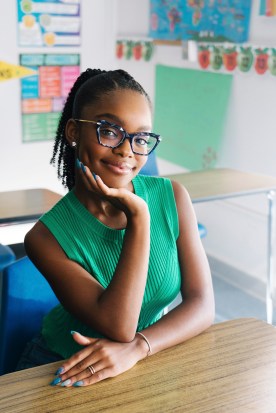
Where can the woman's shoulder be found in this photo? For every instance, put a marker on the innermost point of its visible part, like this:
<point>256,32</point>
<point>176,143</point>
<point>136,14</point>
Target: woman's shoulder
<point>66,202</point>
<point>38,237</point>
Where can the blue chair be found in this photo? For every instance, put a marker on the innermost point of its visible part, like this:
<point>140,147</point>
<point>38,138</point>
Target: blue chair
<point>6,256</point>
<point>25,298</point>
<point>202,230</point>
<point>151,168</point>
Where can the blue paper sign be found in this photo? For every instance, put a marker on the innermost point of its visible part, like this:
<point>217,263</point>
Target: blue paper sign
<point>200,20</point>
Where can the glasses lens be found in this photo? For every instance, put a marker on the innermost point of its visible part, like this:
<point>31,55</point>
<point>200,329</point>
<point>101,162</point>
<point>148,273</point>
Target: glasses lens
<point>110,135</point>
<point>143,144</point>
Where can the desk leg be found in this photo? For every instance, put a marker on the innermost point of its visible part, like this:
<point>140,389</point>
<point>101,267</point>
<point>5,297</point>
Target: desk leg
<point>271,256</point>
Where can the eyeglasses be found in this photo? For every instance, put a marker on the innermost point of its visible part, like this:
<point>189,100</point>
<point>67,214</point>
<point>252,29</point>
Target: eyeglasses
<point>112,136</point>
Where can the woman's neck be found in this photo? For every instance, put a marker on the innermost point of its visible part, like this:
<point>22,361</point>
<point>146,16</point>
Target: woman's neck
<point>101,209</point>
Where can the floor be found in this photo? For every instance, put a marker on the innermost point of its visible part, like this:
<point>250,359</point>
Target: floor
<point>233,302</point>
<point>236,295</point>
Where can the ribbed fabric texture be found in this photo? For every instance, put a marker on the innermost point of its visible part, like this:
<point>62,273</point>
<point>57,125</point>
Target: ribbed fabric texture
<point>97,248</point>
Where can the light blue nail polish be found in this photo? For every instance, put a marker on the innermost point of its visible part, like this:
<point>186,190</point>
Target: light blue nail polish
<point>78,383</point>
<point>73,332</point>
<point>94,176</point>
<point>78,164</point>
<point>59,371</point>
<point>66,383</point>
<point>56,381</point>
<point>83,168</point>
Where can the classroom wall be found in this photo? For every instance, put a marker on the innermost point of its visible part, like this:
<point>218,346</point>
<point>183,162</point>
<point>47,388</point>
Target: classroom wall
<point>26,165</point>
<point>236,228</point>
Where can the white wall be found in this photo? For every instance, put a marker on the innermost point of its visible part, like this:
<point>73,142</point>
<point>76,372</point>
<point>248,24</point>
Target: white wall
<point>236,228</point>
<point>26,165</point>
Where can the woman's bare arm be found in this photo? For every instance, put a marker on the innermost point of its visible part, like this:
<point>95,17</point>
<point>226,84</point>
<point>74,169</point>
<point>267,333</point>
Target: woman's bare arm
<point>196,312</point>
<point>113,311</point>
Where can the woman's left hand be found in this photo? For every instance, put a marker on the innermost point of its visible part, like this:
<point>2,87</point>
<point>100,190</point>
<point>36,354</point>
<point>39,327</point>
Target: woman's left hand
<point>99,360</point>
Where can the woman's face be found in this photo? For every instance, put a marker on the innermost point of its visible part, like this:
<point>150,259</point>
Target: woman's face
<point>116,166</point>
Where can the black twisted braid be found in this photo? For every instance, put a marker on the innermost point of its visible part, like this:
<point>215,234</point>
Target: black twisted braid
<point>89,87</point>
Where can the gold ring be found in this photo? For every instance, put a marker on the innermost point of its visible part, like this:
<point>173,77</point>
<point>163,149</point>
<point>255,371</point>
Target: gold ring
<point>91,369</point>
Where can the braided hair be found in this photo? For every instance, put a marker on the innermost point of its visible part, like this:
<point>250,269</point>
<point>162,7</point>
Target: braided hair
<point>89,87</point>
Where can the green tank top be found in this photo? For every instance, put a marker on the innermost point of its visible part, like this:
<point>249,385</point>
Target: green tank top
<point>97,248</point>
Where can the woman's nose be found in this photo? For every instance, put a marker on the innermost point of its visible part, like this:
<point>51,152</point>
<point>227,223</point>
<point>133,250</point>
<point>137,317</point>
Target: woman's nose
<point>124,149</point>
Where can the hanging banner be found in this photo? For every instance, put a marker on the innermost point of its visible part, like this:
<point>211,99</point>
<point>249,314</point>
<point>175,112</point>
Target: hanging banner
<point>134,49</point>
<point>48,23</point>
<point>233,58</point>
<point>9,71</point>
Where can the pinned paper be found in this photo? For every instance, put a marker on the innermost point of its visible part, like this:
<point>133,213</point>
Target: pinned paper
<point>267,8</point>
<point>9,71</point>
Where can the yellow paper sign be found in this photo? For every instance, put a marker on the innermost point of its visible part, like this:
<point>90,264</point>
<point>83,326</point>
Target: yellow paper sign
<point>9,71</point>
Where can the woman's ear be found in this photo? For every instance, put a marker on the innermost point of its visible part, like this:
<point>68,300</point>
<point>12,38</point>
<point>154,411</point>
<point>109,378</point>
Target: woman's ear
<point>72,132</point>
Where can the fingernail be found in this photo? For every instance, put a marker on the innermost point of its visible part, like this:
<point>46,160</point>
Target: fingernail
<point>59,371</point>
<point>74,332</point>
<point>55,381</point>
<point>78,383</point>
<point>94,176</point>
<point>83,168</point>
<point>66,383</point>
<point>78,164</point>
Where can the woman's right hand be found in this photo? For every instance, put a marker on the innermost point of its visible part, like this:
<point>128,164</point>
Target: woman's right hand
<point>120,198</point>
<point>99,360</point>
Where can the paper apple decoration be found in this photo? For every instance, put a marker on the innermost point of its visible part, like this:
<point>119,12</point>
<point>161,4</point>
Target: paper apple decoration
<point>204,56</point>
<point>147,50</point>
<point>261,61</point>
<point>216,58</point>
<point>119,49</point>
<point>245,59</point>
<point>230,58</point>
<point>272,62</point>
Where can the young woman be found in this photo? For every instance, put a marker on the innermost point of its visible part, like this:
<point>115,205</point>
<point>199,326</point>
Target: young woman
<point>117,248</point>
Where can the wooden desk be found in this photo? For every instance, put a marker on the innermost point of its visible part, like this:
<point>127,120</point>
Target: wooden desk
<point>229,368</point>
<point>217,184</point>
<point>221,183</point>
<point>25,205</point>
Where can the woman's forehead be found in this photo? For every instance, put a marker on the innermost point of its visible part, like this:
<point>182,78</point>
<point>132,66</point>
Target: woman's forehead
<point>121,103</point>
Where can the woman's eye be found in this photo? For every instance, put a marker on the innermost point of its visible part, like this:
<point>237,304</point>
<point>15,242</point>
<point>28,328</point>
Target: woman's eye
<point>141,141</point>
<point>109,133</point>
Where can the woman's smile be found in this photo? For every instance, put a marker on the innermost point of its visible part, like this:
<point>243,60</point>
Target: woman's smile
<point>118,167</point>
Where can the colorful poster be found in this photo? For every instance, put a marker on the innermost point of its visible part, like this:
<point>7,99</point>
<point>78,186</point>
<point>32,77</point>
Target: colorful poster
<point>267,8</point>
<point>43,95</point>
<point>200,20</point>
<point>48,23</point>
<point>190,113</point>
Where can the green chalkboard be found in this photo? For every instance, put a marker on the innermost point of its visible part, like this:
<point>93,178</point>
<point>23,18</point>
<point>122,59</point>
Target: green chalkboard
<point>189,113</point>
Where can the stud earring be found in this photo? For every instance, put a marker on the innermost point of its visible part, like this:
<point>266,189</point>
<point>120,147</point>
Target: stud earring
<point>74,144</point>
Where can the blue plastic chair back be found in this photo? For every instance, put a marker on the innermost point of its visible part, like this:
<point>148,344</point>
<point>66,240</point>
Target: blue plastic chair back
<point>202,230</point>
<point>6,256</point>
<point>26,298</point>
<point>150,168</point>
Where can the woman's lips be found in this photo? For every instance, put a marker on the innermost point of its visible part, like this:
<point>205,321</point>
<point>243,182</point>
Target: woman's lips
<point>122,168</point>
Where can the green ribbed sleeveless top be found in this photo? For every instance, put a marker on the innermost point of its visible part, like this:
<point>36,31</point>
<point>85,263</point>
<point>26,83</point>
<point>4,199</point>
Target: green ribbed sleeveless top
<point>97,248</point>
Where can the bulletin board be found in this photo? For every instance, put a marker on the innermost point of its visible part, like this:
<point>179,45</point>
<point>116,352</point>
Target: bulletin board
<point>190,112</point>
